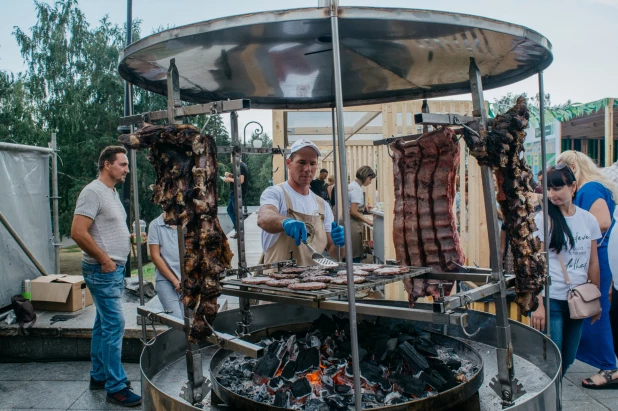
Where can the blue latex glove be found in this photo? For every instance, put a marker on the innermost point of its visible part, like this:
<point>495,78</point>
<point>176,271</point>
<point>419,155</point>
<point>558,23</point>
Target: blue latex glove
<point>295,229</point>
<point>337,234</point>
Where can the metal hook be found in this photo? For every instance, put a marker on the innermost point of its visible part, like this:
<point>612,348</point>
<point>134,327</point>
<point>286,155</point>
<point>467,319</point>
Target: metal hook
<point>213,112</point>
<point>388,150</point>
<point>459,123</point>
<point>467,301</point>
<point>154,330</point>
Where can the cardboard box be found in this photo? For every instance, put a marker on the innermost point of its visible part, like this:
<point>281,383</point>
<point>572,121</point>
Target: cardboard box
<point>60,292</point>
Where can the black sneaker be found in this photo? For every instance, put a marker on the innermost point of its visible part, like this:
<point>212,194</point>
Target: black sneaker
<point>100,385</point>
<point>124,398</point>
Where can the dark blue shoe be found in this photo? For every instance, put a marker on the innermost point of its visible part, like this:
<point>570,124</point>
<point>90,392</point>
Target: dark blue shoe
<point>124,398</point>
<point>100,385</point>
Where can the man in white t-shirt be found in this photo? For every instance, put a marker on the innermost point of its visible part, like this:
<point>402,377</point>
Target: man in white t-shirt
<point>290,213</point>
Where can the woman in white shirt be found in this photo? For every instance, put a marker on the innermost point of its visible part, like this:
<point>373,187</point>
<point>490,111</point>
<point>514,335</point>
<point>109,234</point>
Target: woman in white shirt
<point>356,197</point>
<point>573,236</point>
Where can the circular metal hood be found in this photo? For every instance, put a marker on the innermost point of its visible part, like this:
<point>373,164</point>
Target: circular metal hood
<point>283,59</point>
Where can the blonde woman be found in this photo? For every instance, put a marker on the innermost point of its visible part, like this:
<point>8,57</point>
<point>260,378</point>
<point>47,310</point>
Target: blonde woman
<point>598,195</point>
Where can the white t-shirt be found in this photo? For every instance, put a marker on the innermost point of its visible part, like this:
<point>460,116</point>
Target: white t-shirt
<point>300,203</point>
<point>355,194</point>
<point>584,228</point>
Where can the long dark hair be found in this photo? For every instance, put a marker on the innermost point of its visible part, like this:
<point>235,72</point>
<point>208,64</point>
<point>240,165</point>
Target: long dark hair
<point>557,177</point>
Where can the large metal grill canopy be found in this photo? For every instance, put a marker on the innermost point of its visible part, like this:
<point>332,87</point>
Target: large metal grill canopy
<point>283,59</point>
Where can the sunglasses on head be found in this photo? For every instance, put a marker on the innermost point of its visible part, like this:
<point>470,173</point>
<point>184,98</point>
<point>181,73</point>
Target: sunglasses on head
<point>561,166</point>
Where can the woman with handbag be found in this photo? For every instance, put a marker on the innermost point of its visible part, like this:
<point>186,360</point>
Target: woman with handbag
<point>598,195</point>
<point>573,263</point>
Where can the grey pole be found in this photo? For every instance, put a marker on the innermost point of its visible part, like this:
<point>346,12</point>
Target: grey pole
<point>545,211</point>
<point>343,182</point>
<point>506,372</point>
<point>21,244</point>
<point>245,306</point>
<point>54,161</point>
<point>128,110</point>
<point>334,192</point>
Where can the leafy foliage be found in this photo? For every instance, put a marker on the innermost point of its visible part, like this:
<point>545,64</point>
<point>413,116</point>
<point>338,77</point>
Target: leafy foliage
<point>71,86</point>
<point>558,112</point>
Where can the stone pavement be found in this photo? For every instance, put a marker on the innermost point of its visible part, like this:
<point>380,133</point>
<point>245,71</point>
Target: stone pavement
<point>64,386</point>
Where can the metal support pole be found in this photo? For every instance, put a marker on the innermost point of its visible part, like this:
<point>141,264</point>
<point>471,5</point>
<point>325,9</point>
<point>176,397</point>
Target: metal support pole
<point>506,372</point>
<point>21,244</point>
<point>193,392</point>
<point>128,110</point>
<point>334,192</point>
<point>545,211</point>
<point>343,182</point>
<point>55,198</point>
<point>245,306</point>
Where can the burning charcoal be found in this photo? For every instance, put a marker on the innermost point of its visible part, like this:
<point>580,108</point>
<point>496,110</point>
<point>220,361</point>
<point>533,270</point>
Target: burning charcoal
<point>369,399</point>
<point>262,395</point>
<point>301,388</point>
<point>326,380</point>
<point>343,389</point>
<point>412,356</point>
<point>316,405</point>
<point>289,370</point>
<point>453,363</point>
<point>267,366</point>
<point>433,379</point>
<point>274,347</point>
<point>336,402</point>
<point>425,347</point>
<point>282,399</point>
<point>394,398</point>
<point>276,383</point>
<point>308,360</point>
<point>446,373</point>
<point>330,371</point>
<point>371,373</point>
<point>324,324</point>
<point>409,384</point>
<point>314,342</point>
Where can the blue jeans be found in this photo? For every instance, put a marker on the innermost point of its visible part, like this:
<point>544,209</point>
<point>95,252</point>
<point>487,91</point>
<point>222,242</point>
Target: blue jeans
<point>565,332</point>
<point>106,348</point>
<point>169,298</point>
<point>231,210</point>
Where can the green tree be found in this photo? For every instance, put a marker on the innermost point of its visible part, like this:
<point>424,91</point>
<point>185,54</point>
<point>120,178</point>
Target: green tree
<point>71,86</point>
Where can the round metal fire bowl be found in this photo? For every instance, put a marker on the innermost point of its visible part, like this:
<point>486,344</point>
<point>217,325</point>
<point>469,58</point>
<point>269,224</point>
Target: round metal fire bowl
<point>164,371</point>
<point>284,59</point>
<point>444,400</point>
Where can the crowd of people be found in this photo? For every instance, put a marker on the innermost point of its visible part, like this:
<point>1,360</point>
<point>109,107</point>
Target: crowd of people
<point>581,208</point>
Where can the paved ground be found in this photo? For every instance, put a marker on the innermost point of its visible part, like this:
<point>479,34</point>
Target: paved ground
<point>64,386</point>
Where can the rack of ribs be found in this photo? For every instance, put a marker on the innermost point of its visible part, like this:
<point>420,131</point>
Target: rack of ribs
<point>425,231</point>
<point>185,163</point>
<point>502,150</point>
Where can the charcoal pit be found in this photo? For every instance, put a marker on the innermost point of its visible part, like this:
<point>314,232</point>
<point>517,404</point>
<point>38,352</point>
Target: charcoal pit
<point>308,367</point>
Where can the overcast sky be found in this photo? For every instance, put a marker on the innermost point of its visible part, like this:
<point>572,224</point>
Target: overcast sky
<point>583,34</point>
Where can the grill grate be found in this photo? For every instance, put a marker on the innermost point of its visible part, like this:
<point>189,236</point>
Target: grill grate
<point>333,290</point>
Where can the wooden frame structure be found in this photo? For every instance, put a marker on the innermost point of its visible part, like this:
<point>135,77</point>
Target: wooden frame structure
<point>397,120</point>
<point>593,134</point>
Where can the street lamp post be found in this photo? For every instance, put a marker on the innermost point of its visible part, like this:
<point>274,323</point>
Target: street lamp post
<point>244,143</point>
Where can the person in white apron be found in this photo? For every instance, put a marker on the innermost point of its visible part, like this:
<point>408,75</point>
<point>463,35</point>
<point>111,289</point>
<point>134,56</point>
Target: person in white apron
<point>290,213</point>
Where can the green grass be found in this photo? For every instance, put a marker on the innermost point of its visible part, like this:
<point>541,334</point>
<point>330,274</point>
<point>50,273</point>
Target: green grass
<point>71,249</point>
<point>148,271</point>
